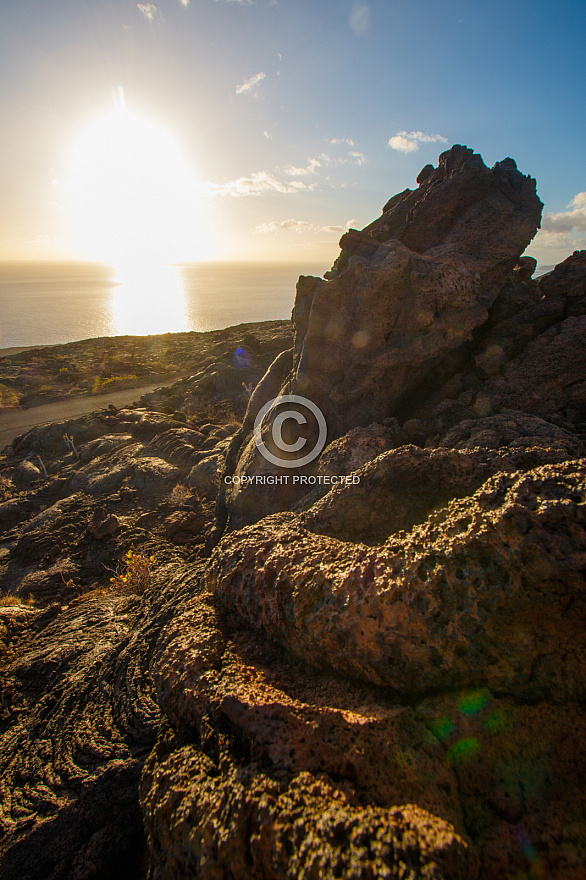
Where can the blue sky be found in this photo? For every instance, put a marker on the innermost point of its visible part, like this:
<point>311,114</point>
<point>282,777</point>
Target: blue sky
<point>292,118</point>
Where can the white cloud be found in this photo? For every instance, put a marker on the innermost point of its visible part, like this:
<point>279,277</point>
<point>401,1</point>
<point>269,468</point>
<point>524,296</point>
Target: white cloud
<point>149,10</point>
<point>339,230</point>
<point>268,135</point>
<point>562,232</point>
<point>348,141</point>
<point>292,225</point>
<point>566,221</point>
<point>184,2</point>
<point>358,157</point>
<point>249,85</point>
<point>258,183</point>
<point>408,142</point>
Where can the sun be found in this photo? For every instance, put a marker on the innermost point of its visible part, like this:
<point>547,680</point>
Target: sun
<point>132,197</point>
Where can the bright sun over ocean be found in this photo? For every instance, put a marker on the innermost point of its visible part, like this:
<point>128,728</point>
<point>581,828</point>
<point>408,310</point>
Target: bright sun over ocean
<point>51,303</point>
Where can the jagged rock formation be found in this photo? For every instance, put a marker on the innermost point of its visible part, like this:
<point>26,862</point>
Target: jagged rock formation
<point>405,293</point>
<point>384,680</point>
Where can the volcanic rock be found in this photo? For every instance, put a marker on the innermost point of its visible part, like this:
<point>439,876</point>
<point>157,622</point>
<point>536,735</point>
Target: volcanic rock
<point>386,679</point>
<point>407,291</point>
<point>103,524</point>
<point>401,488</point>
<point>489,590</point>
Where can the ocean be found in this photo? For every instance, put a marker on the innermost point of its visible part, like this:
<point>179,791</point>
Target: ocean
<point>51,303</point>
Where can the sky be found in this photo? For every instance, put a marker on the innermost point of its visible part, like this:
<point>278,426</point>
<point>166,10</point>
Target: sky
<point>185,130</point>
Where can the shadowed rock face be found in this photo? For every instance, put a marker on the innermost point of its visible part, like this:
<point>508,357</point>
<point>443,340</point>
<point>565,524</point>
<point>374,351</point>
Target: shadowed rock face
<point>405,292</point>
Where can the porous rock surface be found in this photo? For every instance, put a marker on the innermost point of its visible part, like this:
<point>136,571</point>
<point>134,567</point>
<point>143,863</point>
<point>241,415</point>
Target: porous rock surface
<point>383,678</point>
<point>490,590</point>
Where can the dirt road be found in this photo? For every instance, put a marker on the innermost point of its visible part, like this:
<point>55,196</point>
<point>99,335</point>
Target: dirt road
<point>16,421</point>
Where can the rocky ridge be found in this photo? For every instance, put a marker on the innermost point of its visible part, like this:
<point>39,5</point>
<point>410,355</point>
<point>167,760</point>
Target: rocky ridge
<point>383,678</point>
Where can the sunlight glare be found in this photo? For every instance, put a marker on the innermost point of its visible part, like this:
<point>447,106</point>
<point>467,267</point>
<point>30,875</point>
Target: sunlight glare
<point>132,197</point>
<point>149,300</point>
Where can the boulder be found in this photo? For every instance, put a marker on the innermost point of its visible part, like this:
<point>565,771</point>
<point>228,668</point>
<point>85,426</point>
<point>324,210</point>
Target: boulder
<point>204,476</point>
<point>488,592</point>
<point>182,526</point>
<point>103,524</point>
<point>26,473</point>
<point>528,355</point>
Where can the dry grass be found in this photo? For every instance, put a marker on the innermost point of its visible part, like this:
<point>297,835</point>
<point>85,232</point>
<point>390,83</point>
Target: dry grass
<point>8,397</point>
<point>102,385</point>
<point>6,488</point>
<point>16,600</point>
<point>180,495</point>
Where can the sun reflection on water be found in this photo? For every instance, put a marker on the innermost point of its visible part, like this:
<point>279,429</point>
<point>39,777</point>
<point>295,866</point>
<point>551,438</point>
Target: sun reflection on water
<point>148,300</point>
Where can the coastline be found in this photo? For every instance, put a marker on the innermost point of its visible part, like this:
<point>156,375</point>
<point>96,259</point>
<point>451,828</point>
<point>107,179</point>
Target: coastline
<point>42,384</point>
<point>8,352</point>
<point>31,376</point>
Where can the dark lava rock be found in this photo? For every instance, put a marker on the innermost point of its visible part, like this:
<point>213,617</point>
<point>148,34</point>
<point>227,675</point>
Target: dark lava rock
<point>406,293</point>
<point>103,524</point>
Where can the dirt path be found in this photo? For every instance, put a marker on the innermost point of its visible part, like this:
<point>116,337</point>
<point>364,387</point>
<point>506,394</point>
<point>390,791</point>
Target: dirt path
<point>16,421</point>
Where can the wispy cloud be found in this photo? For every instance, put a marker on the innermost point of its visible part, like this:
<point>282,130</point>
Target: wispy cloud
<point>149,10</point>
<point>268,135</point>
<point>184,2</point>
<point>258,183</point>
<point>324,161</point>
<point>408,141</point>
<point>348,141</point>
<point>298,226</point>
<point>339,230</point>
<point>290,225</point>
<point>312,164</point>
<point>249,85</point>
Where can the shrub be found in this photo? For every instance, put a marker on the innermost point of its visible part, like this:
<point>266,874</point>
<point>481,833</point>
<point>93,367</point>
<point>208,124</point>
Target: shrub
<point>102,385</point>
<point>136,573</point>
<point>180,495</point>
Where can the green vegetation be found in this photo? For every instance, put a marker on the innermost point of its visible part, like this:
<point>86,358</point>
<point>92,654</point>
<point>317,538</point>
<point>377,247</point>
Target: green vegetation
<point>102,385</point>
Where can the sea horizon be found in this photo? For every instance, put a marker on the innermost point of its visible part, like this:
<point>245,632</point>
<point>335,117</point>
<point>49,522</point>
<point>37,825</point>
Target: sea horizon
<point>53,302</point>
